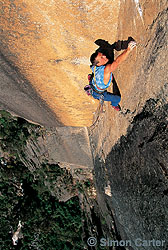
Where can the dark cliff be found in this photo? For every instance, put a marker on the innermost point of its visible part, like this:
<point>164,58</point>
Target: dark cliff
<point>136,170</point>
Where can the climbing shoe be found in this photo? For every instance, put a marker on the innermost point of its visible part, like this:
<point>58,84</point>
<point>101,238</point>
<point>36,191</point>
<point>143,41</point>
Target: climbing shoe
<point>117,108</point>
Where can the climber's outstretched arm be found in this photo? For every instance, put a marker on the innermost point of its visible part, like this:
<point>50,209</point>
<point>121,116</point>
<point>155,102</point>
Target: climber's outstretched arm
<point>121,58</point>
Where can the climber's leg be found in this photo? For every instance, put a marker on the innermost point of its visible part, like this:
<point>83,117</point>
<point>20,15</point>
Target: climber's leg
<point>114,99</point>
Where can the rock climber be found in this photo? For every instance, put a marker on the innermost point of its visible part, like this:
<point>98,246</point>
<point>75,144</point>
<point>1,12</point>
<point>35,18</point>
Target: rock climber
<point>102,67</point>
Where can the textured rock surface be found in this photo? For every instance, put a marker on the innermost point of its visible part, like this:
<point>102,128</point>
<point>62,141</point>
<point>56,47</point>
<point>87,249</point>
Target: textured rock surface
<point>50,42</point>
<point>136,170</point>
<point>62,145</point>
<point>19,97</point>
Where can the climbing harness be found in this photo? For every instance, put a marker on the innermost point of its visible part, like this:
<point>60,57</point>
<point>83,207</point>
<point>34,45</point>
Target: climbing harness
<point>91,87</point>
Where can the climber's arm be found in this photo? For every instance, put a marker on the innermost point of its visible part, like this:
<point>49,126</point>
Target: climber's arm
<point>121,58</point>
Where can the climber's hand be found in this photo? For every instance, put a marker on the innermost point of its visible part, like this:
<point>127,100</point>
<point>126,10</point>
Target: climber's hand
<point>131,45</point>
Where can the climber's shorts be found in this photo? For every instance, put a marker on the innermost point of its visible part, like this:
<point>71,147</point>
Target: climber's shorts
<point>107,96</point>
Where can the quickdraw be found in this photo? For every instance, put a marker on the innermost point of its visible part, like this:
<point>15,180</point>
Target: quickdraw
<point>88,89</point>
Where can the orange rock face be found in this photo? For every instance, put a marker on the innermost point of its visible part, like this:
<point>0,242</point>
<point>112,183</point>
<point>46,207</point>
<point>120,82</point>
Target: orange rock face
<point>50,42</point>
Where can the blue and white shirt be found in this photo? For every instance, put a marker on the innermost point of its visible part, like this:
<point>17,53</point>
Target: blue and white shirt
<point>99,78</point>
